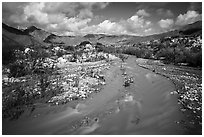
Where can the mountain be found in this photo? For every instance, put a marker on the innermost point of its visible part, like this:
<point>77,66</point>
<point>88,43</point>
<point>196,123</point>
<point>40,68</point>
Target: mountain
<point>15,35</point>
<point>105,39</point>
<point>12,30</point>
<point>192,29</point>
<point>13,39</point>
<point>37,33</point>
<point>32,33</point>
<point>31,29</point>
<point>18,36</point>
<point>64,40</point>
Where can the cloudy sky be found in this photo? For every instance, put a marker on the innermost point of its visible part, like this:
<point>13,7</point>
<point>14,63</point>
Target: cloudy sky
<point>109,18</point>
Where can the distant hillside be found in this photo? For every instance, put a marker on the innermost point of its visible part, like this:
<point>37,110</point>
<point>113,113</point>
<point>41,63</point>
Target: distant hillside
<point>114,39</point>
<point>20,37</point>
<point>12,30</point>
<point>152,37</point>
<point>37,33</point>
<point>192,29</point>
<point>15,35</point>
<point>13,39</point>
<point>64,40</point>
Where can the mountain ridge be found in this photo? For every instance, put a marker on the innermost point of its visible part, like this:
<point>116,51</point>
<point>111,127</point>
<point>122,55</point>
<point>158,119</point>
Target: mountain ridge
<point>46,38</point>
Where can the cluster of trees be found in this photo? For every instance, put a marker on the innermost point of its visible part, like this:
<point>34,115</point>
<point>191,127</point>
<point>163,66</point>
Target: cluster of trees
<point>27,63</point>
<point>169,53</point>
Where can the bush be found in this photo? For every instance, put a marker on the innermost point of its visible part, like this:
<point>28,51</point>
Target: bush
<point>60,53</point>
<point>134,51</point>
<point>69,48</point>
<point>194,59</point>
<point>18,69</point>
<point>168,54</point>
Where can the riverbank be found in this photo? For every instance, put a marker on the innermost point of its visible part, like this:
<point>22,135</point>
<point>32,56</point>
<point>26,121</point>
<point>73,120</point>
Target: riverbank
<point>134,100</point>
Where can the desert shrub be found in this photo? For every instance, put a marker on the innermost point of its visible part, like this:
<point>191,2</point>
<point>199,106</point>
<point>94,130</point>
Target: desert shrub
<point>69,48</point>
<point>180,58</point>
<point>108,49</point>
<point>168,54</point>
<point>123,57</point>
<point>82,44</point>
<point>147,54</point>
<point>60,53</point>
<point>99,47</point>
<point>134,51</point>
<point>18,69</point>
<point>7,57</point>
<point>8,53</point>
<point>194,59</point>
<point>12,106</point>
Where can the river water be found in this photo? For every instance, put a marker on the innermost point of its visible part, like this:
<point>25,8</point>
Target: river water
<point>144,107</point>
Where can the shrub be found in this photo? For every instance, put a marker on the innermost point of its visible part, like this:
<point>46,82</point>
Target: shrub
<point>194,59</point>
<point>60,53</point>
<point>69,48</point>
<point>139,53</point>
<point>18,69</point>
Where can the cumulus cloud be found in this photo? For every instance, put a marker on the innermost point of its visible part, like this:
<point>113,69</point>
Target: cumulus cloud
<point>71,9</point>
<point>41,12</point>
<point>72,18</point>
<point>136,22</point>
<point>188,18</point>
<point>34,13</point>
<point>142,12</point>
<point>110,27</point>
<point>134,25</point>
<point>55,16</point>
<point>166,24</point>
<point>148,30</point>
<point>105,27</point>
<point>73,25</point>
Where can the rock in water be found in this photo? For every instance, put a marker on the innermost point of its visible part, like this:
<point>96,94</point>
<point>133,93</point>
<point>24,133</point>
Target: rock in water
<point>80,107</point>
<point>89,129</point>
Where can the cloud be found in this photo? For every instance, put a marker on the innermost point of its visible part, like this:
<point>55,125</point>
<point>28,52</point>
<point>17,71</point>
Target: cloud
<point>188,18</point>
<point>142,13</point>
<point>12,13</point>
<point>71,9</point>
<point>73,25</point>
<point>134,25</point>
<point>164,12</point>
<point>166,24</point>
<point>111,27</point>
<point>34,13</point>
<point>105,27</point>
<point>72,18</point>
<point>41,13</point>
<point>148,30</point>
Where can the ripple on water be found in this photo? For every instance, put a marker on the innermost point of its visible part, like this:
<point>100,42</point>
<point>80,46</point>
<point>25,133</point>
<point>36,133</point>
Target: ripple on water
<point>89,129</point>
<point>86,126</point>
<point>151,77</point>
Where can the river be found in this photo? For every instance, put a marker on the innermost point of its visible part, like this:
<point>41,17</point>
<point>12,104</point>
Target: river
<point>145,107</point>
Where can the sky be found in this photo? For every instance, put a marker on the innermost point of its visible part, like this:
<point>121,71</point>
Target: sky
<point>115,18</point>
